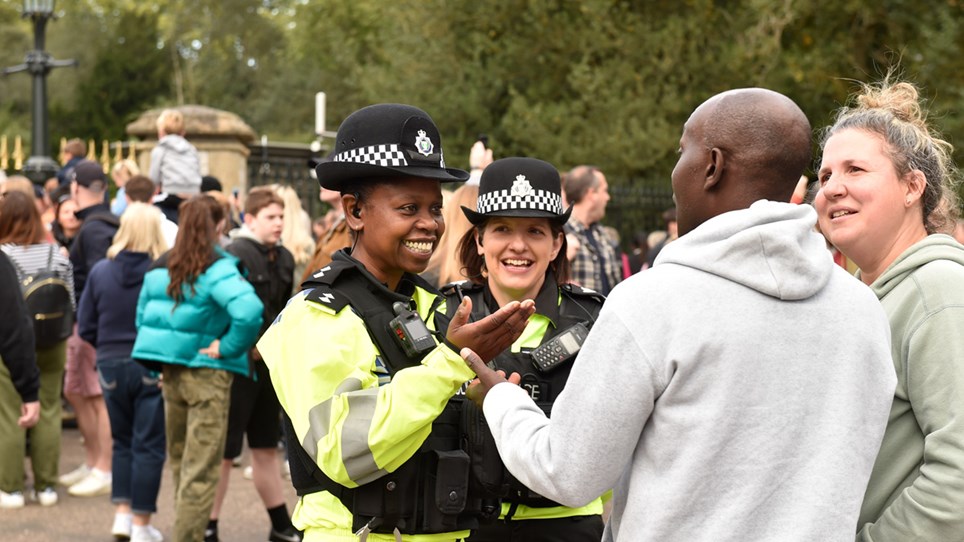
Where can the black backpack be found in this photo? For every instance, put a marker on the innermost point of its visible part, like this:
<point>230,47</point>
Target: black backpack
<point>48,302</point>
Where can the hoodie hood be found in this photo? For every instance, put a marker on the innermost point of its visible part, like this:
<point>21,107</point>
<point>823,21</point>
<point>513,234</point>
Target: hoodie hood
<point>932,248</point>
<point>243,233</point>
<point>131,267</point>
<point>771,248</point>
<point>175,143</point>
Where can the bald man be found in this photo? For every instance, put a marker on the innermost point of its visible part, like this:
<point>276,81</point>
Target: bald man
<point>740,388</point>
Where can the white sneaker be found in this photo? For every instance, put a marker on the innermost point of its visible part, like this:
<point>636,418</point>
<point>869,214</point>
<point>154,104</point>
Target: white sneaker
<point>248,473</point>
<point>11,500</point>
<point>96,483</point>
<point>74,476</point>
<point>145,533</point>
<point>122,526</point>
<point>47,497</point>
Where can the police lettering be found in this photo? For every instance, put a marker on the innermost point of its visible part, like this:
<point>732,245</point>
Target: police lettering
<point>537,389</point>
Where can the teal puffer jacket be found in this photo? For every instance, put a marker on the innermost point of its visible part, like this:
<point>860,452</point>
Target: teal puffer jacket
<point>224,306</point>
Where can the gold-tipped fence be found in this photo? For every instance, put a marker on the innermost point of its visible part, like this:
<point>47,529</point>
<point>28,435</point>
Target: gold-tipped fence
<point>12,160</point>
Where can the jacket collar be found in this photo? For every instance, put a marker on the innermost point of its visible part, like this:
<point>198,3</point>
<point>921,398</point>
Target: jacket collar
<point>547,300</point>
<point>82,214</point>
<point>406,286</point>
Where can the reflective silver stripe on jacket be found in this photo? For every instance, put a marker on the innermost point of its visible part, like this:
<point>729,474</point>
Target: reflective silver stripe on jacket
<point>356,455</point>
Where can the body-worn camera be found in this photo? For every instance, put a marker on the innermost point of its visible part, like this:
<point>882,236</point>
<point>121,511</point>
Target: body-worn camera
<point>410,331</point>
<point>560,348</point>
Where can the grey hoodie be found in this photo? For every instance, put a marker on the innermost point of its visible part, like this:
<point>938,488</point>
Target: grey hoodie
<point>738,390</point>
<point>175,167</point>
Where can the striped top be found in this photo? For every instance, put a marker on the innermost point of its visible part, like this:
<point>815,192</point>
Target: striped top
<point>32,258</point>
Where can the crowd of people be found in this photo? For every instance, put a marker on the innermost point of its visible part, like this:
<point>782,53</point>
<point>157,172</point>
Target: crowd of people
<point>487,364</point>
<point>167,286</point>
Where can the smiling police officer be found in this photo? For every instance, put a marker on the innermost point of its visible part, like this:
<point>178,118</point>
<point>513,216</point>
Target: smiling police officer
<point>515,251</point>
<point>365,381</point>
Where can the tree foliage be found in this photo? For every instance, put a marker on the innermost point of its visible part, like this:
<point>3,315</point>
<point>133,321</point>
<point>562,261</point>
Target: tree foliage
<point>14,90</point>
<point>606,82</point>
<point>128,75</point>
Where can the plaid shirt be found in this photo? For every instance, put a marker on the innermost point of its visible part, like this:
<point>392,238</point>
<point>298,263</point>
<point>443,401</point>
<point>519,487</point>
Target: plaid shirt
<point>589,267</point>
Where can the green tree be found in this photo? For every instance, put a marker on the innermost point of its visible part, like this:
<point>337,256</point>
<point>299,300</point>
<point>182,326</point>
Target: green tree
<point>14,89</point>
<point>334,46</point>
<point>128,75</point>
<point>225,52</point>
<point>608,82</point>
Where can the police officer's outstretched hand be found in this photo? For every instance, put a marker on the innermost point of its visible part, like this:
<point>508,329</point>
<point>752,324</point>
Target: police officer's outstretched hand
<point>487,378</point>
<point>492,334</point>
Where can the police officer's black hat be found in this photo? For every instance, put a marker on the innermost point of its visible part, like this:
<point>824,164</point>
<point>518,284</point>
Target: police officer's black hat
<point>386,140</point>
<point>519,187</point>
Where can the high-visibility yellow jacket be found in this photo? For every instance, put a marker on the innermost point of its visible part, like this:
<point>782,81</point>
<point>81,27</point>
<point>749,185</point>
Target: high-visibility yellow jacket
<point>355,420</point>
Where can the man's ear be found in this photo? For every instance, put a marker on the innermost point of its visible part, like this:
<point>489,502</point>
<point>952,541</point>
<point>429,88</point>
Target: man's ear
<point>714,169</point>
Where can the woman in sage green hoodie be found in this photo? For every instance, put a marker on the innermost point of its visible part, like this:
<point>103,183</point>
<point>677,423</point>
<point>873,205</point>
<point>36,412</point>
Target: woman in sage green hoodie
<point>887,191</point>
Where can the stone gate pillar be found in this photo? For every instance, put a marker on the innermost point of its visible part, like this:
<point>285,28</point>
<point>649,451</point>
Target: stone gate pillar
<point>221,139</point>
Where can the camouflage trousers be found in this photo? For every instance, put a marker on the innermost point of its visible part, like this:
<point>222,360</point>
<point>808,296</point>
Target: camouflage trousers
<point>196,409</point>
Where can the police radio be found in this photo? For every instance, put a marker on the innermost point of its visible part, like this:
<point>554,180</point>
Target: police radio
<point>410,331</point>
<point>560,348</point>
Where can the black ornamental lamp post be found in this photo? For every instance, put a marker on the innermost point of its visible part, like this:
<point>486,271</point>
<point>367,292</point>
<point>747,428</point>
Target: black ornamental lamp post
<point>39,167</point>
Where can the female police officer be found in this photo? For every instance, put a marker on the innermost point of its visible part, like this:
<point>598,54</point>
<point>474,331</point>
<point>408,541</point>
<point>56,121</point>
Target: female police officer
<point>517,251</point>
<point>364,381</point>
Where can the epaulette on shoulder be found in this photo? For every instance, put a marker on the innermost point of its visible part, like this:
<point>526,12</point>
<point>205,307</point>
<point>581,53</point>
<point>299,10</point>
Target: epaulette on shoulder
<point>450,289</point>
<point>327,296</point>
<point>326,275</point>
<point>575,290</point>
<point>320,286</point>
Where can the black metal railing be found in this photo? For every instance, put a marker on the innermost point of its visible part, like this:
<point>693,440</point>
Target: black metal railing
<point>637,205</point>
<point>287,164</point>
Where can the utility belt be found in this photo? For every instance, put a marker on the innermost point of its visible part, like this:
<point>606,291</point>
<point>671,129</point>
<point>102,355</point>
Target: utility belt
<point>489,476</point>
<point>429,493</point>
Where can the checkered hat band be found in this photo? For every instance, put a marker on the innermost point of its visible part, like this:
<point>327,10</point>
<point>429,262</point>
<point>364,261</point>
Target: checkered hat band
<point>503,200</point>
<point>376,155</point>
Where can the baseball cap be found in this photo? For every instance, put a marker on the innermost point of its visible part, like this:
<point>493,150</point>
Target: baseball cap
<point>87,172</point>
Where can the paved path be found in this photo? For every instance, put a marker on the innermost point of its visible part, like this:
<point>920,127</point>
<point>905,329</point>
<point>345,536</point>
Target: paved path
<point>88,519</point>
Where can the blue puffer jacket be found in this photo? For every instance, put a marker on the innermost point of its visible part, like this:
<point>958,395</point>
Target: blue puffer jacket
<point>224,306</point>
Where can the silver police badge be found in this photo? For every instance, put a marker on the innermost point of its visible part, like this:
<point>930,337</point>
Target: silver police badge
<point>423,144</point>
<point>521,187</point>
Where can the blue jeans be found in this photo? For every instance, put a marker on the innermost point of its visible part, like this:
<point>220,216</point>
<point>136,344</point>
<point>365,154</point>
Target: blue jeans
<point>136,410</point>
